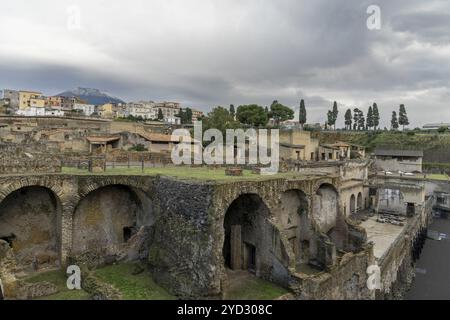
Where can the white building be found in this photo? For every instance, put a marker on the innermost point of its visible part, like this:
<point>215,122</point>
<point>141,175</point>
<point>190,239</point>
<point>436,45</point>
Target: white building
<point>87,109</point>
<point>40,112</point>
<point>143,109</point>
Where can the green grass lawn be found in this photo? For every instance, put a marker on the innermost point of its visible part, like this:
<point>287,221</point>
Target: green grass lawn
<point>132,287</point>
<point>181,172</point>
<point>249,287</point>
<point>58,278</point>
<point>442,177</point>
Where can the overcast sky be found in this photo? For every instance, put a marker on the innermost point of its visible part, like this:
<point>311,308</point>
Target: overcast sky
<point>205,53</point>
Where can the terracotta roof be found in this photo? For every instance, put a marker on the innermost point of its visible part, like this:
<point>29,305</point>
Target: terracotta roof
<point>157,137</point>
<point>162,137</point>
<point>102,139</point>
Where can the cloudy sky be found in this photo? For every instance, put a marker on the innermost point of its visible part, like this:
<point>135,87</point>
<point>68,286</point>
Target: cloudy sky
<point>205,53</point>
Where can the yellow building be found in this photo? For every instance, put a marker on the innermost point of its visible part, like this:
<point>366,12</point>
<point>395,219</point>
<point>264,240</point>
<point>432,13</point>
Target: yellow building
<point>108,110</point>
<point>30,99</point>
<point>296,144</point>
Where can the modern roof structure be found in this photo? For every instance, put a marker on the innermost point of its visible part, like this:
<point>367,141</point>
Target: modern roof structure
<point>398,153</point>
<point>436,125</point>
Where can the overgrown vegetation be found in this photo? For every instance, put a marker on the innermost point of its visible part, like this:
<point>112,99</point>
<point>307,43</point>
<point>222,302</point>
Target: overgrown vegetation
<point>58,278</point>
<point>133,281</point>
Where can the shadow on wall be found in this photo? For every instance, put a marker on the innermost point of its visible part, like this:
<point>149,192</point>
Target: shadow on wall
<point>29,220</point>
<point>107,222</point>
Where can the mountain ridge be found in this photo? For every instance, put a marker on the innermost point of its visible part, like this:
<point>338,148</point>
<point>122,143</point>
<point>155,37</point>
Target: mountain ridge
<point>91,96</point>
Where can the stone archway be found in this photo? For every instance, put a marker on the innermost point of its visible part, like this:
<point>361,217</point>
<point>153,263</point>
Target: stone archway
<point>107,218</point>
<point>359,202</point>
<point>292,214</point>
<point>352,204</point>
<point>29,221</point>
<point>244,225</point>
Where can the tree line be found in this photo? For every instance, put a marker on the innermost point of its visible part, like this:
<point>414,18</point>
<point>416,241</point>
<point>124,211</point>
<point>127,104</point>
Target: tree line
<point>253,115</point>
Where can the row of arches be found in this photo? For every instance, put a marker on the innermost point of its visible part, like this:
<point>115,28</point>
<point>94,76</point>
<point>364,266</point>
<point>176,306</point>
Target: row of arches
<point>356,203</point>
<point>103,221</point>
<point>252,232</point>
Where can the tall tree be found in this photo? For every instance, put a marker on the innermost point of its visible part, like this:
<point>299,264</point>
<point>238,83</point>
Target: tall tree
<point>394,121</point>
<point>232,110</point>
<point>329,119</point>
<point>403,117</point>
<point>302,113</point>
<point>348,119</point>
<point>369,121</point>
<point>361,121</point>
<point>188,115</point>
<point>219,118</point>
<point>252,115</point>
<point>375,116</point>
<point>280,113</point>
<point>160,114</point>
<point>356,114</point>
<point>335,113</point>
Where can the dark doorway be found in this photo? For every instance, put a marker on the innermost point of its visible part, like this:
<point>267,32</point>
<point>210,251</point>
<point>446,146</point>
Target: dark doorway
<point>410,209</point>
<point>251,257</point>
<point>9,239</point>
<point>127,233</point>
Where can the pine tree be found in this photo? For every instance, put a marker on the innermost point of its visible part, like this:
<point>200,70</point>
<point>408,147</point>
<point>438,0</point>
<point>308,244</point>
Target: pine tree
<point>375,116</point>
<point>403,117</point>
<point>160,114</point>
<point>348,119</point>
<point>370,118</point>
<point>394,121</point>
<point>302,113</point>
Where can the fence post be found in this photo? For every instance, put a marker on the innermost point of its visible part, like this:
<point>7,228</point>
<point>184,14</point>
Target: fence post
<point>142,164</point>
<point>128,161</point>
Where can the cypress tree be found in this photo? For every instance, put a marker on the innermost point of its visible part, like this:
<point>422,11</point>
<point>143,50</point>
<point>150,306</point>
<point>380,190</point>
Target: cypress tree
<point>402,116</point>
<point>302,113</point>
<point>394,121</point>
<point>375,116</point>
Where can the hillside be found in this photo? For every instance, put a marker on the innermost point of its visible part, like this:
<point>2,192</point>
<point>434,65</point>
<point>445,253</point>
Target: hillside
<point>436,146</point>
<point>91,96</point>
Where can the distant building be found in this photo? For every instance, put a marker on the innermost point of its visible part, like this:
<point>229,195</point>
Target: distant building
<point>108,111</point>
<point>40,111</point>
<point>29,99</point>
<point>170,110</point>
<point>435,126</point>
<point>145,110</point>
<point>13,97</point>
<point>196,114</point>
<point>87,109</point>
<point>399,160</point>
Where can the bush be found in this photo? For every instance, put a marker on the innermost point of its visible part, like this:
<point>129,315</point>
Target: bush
<point>139,147</point>
<point>442,129</point>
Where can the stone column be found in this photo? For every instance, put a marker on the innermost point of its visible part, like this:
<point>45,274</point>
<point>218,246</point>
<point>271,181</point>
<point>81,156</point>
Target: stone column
<point>66,234</point>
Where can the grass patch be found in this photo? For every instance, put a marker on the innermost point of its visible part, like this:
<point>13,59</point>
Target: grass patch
<point>253,288</point>
<point>58,278</point>
<point>180,172</point>
<point>132,287</point>
<point>442,177</point>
